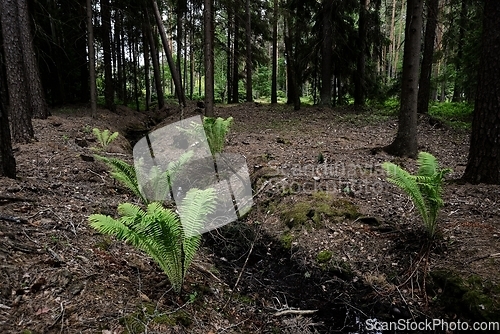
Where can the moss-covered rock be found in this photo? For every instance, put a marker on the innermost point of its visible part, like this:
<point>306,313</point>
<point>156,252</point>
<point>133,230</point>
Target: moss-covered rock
<point>472,297</point>
<point>316,206</point>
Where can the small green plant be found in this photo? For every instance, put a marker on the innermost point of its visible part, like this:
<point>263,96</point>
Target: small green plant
<point>104,138</point>
<point>87,129</point>
<point>216,130</point>
<point>159,232</point>
<point>65,139</point>
<point>424,188</point>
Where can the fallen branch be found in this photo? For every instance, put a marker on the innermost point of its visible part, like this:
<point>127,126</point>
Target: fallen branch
<point>298,312</point>
<point>12,218</point>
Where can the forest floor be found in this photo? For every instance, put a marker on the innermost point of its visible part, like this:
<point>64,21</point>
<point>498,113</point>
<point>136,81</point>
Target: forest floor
<point>328,244</point>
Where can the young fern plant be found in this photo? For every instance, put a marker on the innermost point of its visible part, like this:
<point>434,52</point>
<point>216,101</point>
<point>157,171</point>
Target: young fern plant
<point>159,232</point>
<point>424,188</point>
<point>216,130</point>
<point>104,138</point>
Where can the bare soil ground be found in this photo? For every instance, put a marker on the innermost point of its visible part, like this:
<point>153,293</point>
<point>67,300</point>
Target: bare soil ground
<point>328,244</point>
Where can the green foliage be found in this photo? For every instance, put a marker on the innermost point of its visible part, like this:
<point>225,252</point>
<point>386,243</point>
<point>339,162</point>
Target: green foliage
<point>455,114</point>
<point>216,130</point>
<point>424,188</point>
<point>159,232</point>
<point>104,138</point>
<point>125,174</point>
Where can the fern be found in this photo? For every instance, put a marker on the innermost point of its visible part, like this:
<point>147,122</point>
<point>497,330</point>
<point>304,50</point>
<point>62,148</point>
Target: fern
<point>216,130</point>
<point>104,137</point>
<point>424,188</point>
<point>158,231</point>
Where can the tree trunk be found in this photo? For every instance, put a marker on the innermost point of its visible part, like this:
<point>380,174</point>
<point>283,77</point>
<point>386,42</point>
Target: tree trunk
<point>398,44</point>
<point>36,99</point>
<point>180,15</point>
<point>209,59</point>
<point>147,81</point>
<point>326,55</point>
<point>359,82</point>
<point>229,53</point>
<point>390,70</point>
<point>7,161</point>
<point>118,48</point>
<point>458,89</point>
<point>424,86</point>
<point>17,85</point>
<point>133,46</point>
<point>248,30</point>
<point>173,70</point>
<point>236,56</point>
<point>274,75</point>
<point>483,165</point>
<point>156,63</point>
<point>90,42</point>
<point>109,95</point>
<point>405,143</point>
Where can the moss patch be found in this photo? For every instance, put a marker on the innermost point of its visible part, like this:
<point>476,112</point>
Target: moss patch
<point>318,205</point>
<point>286,240</point>
<point>472,297</point>
<point>324,256</point>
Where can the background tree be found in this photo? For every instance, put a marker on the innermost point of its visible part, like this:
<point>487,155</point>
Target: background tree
<point>483,164</point>
<point>7,161</point>
<point>17,81</point>
<point>326,54</point>
<point>248,33</point>
<point>424,84</point>
<point>109,91</point>
<point>405,143</point>
<point>274,83</point>
<point>92,76</point>
<point>209,58</point>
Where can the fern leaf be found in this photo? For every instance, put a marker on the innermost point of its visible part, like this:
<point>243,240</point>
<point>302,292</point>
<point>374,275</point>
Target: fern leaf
<point>193,211</point>
<point>428,164</point>
<point>408,184</point>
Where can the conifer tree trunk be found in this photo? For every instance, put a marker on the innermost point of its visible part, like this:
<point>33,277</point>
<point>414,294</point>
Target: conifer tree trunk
<point>119,60</point>
<point>424,86</point>
<point>17,85</point>
<point>405,143</point>
<point>359,82</point>
<point>236,56</point>
<point>326,55</point>
<point>166,47</point>
<point>483,165</point>
<point>90,43</point>
<point>109,95</point>
<point>7,161</point>
<point>147,82</point>
<point>274,75</point>
<point>36,97</point>
<point>156,62</point>
<point>248,30</point>
<point>229,54</point>
<point>209,59</point>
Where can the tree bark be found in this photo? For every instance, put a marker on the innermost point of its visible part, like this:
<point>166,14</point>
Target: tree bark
<point>156,63</point>
<point>405,143</point>
<point>109,95</point>
<point>326,55</point>
<point>209,59</point>
<point>229,54</point>
<point>90,43</point>
<point>7,161</point>
<point>17,85</point>
<point>248,30</point>
<point>173,70</point>
<point>118,48</point>
<point>274,75</point>
<point>483,165</point>
<point>36,97</point>
<point>236,56</point>
<point>147,81</point>
<point>180,14</point>
<point>458,89</point>
<point>424,86</point>
<point>359,82</point>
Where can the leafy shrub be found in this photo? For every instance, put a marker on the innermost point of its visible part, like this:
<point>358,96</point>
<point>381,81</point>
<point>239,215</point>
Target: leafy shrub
<point>424,188</point>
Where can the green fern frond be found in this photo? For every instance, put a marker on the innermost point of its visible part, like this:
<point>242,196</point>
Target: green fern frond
<point>104,138</point>
<point>424,188</point>
<point>193,211</point>
<point>216,130</point>
<point>175,167</point>
<point>408,183</point>
<point>123,173</point>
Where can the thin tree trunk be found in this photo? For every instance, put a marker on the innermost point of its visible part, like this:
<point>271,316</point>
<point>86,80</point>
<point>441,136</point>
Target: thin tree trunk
<point>458,89</point>
<point>248,29</point>
<point>173,70</point>
<point>134,67</point>
<point>119,66</point>
<point>390,71</point>
<point>180,14</point>
<point>229,53</point>
<point>359,82</point>
<point>90,42</point>
<point>405,143</point>
<point>209,59</point>
<point>156,65</point>
<point>109,95</point>
<point>236,56</point>
<point>326,55</point>
<point>424,86</point>
<point>274,75</point>
<point>398,44</point>
<point>147,81</point>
